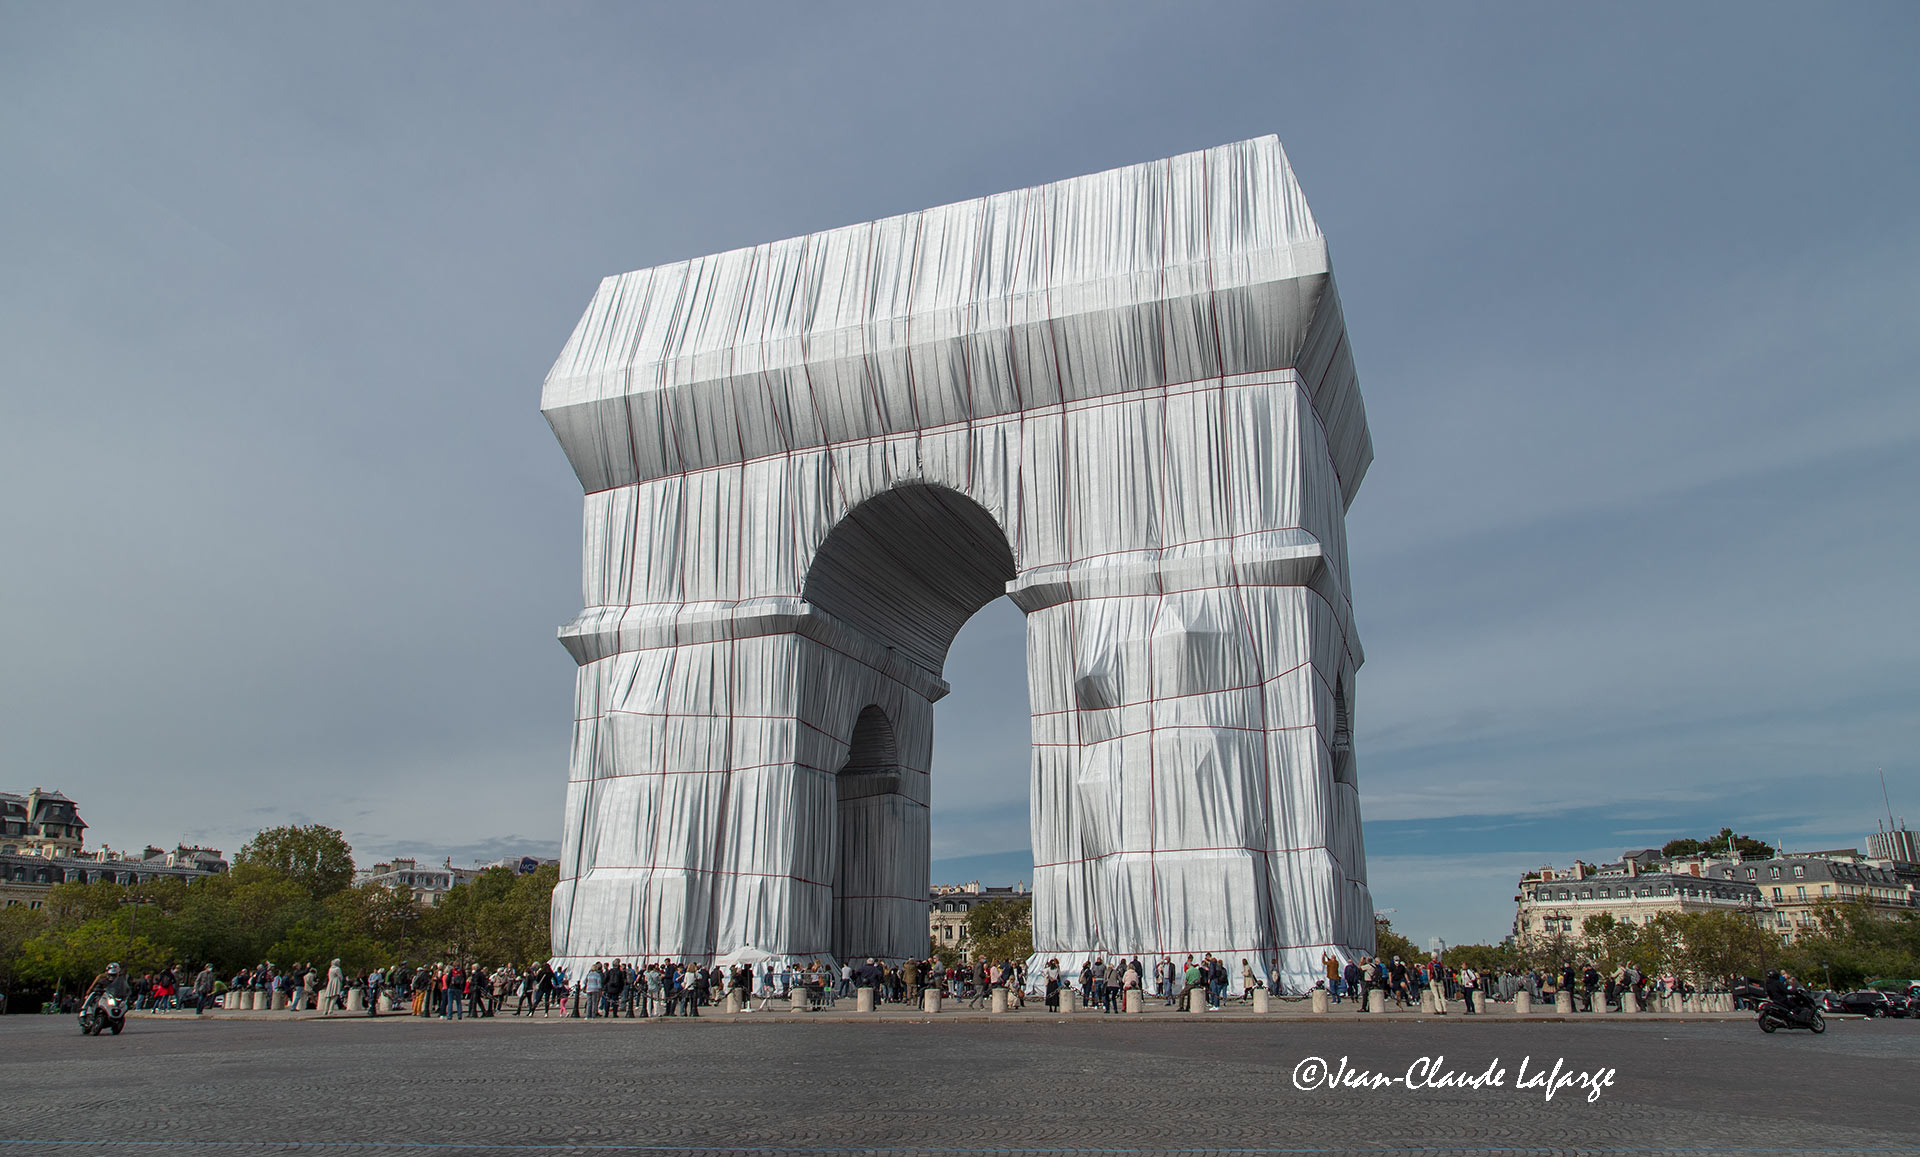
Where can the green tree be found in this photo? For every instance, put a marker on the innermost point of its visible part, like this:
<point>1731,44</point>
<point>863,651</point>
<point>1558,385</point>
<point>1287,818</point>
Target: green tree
<point>499,917</point>
<point>1720,845</point>
<point>315,857</point>
<point>1482,957</point>
<point>1388,944</point>
<point>1001,929</point>
<point>1854,945</point>
<point>18,925</point>
<point>1713,948</point>
<point>1613,944</point>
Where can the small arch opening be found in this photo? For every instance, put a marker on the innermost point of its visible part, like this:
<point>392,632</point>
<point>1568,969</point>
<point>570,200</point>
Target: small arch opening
<point>866,803</point>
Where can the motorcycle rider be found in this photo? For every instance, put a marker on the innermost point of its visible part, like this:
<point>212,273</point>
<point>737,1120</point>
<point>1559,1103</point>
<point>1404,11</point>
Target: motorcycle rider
<point>1785,992</point>
<point>112,982</point>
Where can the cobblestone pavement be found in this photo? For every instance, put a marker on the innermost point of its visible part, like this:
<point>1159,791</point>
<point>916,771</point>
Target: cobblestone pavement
<point>1091,1085</point>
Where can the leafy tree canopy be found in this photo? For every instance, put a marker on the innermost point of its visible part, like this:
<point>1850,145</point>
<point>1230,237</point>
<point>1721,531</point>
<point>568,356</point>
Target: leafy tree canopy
<point>1720,845</point>
<point>1001,929</point>
<point>317,858</point>
<point>1388,944</point>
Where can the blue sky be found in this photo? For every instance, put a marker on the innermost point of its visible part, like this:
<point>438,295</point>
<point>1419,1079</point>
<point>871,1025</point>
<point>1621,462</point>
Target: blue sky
<point>1633,293</point>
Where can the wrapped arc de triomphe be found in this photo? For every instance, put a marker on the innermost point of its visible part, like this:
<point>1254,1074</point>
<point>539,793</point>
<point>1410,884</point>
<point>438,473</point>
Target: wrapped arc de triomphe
<point>1126,402</point>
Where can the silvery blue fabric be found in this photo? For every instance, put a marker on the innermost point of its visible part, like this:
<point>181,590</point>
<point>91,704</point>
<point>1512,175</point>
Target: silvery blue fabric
<point>1124,400</point>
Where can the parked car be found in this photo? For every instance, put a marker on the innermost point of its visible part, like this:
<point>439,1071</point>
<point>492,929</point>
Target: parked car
<point>1829,1002</point>
<point>1870,1003</point>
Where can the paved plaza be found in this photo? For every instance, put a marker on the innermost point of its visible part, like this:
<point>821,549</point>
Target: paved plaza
<point>239,1086</point>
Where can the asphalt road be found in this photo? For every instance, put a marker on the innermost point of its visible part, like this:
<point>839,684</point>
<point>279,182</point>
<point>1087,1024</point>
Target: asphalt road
<point>1092,1085</point>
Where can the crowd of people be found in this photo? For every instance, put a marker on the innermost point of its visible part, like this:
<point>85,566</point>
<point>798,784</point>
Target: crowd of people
<point>1405,983</point>
<point>456,990</point>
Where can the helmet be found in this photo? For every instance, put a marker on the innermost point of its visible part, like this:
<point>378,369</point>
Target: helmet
<point>114,968</point>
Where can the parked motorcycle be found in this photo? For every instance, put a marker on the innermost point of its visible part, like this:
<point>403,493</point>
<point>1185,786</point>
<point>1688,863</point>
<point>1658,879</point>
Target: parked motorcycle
<point>107,1013</point>
<point>1772,1015</point>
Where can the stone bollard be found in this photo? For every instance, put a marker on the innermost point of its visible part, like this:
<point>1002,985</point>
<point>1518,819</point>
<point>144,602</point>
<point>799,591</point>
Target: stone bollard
<point>1197,1001</point>
<point>1523,1003</point>
<point>1629,1002</point>
<point>863,998</point>
<point>1563,1002</point>
<point>930,999</point>
<point>1136,1000</point>
<point>259,1002</point>
<point>1427,1001</point>
<point>1069,999</point>
<point>356,999</point>
<point>385,1003</point>
<point>736,1000</point>
<point>1597,1003</point>
<point>997,1000</point>
<point>1262,1001</point>
<point>279,1001</point>
<point>1377,1000</point>
<point>797,998</point>
<point>1322,1000</point>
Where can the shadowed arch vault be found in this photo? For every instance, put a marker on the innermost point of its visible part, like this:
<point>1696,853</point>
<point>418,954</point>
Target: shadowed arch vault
<point>1127,402</point>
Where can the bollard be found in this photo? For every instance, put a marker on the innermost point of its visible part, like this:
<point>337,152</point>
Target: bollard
<point>863,998</point>
<point>1262,1001</point>
<point>930,999</point>
<point>1377,1000</point>
<point>257,1001</point>
<point>797,998</point>
<point>1523,1003</point>
<point>997,1000</point>
<point>279,1001</point>
<point>1197,1000</point>
<point>1322,1001</point>
<point>1430,1001</point>
<point>356,999</point>
<point>1069,999</point>
<point>385,1003</point>
<point>1563,1002</point>
<point>1597,1002</point>
<point>1136,1000</point>
<point>1629,1002</point>
<point>736,1000</point>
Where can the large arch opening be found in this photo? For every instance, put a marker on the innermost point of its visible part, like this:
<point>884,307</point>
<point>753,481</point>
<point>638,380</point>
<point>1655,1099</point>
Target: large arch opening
<point>907,568</point>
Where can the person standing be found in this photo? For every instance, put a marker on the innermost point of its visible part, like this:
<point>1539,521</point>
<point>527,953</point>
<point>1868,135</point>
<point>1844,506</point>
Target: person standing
<point>202,989</point>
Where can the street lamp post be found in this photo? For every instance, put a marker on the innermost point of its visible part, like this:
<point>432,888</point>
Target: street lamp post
<point>137,903</point>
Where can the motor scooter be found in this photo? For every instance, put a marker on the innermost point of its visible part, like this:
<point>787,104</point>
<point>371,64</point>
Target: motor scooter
<point>107,1012</point>
<point>1772,1014</point>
